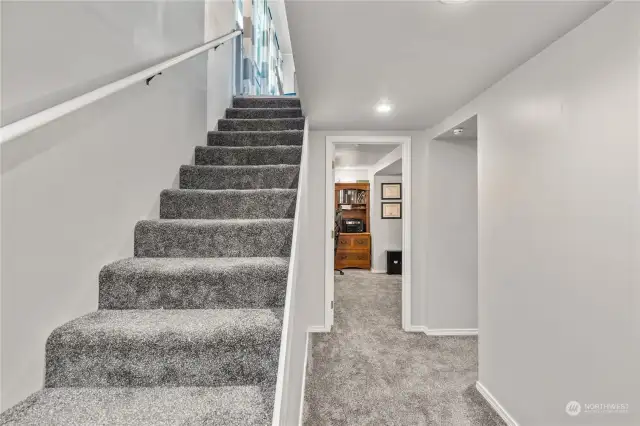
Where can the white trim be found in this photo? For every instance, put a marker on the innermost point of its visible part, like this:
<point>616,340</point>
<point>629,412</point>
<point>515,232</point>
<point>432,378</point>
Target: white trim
<point>378,271</point>
<point>405,142</point>
<point>451,331</point>
<point>417,329</point>
<point>318,329</point>
<point>493,402</point>
<point>304,380</point>
<point>329,242</point>
<point>351,168</point>
<point>20,127</point>
<point>283,361</point>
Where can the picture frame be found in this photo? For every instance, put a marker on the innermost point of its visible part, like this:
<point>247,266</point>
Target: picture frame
<point>391,210</point>
<point>391,191</point>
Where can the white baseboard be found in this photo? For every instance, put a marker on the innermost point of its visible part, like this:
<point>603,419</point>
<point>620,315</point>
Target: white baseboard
<point>304,381</point>
<point>442,331</point>
<point>416,329</point>
<point>378,271</point>
<point>452,332</point>
<point>493,402</point>
<point>318,329</point>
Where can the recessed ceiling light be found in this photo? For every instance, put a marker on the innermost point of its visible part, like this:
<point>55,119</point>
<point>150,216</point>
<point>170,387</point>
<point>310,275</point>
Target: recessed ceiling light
<point>384,107</point>
<point>453,1</point>
<point>458,131</point>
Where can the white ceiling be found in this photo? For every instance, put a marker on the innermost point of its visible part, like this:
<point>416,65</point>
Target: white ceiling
<point>425,57</point>
<point>361,155</point>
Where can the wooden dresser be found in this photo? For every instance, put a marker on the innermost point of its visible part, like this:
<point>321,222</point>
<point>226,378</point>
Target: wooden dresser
<point>354,249</point>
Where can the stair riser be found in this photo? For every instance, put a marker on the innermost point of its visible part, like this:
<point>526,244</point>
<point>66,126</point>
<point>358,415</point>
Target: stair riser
<point>261,125</point>
<point>227,204</point>
<point>247,156</point>
<point>238,177</point>
<point>287,137</point>
<point>266,102</point>
<point>264,113</point>
<point>200,288</point>
<point>163,362</point>
<point>173,239</point>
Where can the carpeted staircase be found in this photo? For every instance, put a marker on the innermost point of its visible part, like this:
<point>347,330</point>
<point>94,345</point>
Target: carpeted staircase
<point>188,330</point>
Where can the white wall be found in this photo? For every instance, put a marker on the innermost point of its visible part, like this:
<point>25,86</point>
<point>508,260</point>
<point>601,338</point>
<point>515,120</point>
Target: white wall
<point>294,360</point>
<point>288,69</point>
<point>386,234</point>
<point>316,236</point>
<point>452,235</point>
<point>558,150</point>
<point>350,174</point>
<point>73,190</point>
<point>219,20</point>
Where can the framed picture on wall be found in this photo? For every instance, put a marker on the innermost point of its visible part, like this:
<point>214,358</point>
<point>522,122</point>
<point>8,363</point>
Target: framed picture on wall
<point>391,191</point>
<point>392,210</point>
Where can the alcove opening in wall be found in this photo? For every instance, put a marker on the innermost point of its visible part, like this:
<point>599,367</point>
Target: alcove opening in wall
<point>452,231</point>
<point>367,211</point>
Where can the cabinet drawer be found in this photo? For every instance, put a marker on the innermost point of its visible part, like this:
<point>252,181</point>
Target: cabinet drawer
<point>352,259</point>
<point>354,242</point>
<point>344,242</point>
<point>360,243</point>
<point>352,256</point>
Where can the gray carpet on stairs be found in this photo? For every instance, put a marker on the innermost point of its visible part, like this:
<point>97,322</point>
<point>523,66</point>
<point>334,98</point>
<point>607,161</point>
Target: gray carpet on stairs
<point>260,124</point>
<point>253,138</point>
<point>213,238</point>
<point>161,347</point>
<point>264,112</point>
<point>194,283</point>
<point>151,406</point>
<point>247,155</point>
<point>227,204</point>
<point>239,177</point>
<point>188,331</point>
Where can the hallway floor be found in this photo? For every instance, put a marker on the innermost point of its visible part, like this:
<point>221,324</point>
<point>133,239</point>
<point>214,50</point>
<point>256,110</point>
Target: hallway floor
<point>368,371</point>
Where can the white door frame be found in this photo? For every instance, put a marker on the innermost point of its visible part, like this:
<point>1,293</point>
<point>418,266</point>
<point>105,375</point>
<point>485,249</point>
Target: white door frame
<point>405,142</point>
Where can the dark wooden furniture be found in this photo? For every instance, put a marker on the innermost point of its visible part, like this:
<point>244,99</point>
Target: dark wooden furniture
<point>394,262</point>
<point>354,249</point>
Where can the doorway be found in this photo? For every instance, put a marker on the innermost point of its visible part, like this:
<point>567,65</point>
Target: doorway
<point>401,154</point>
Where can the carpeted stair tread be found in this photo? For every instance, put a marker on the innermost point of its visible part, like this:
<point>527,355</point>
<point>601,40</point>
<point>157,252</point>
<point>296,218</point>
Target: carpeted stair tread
<point>263,113</point>
<point>247,155</point>
<point>284,176</point>
<point>188,330</point>
<point>266,102</point>
<point>194,283</point>
<point>227,204</point>
<point>260,124</point>
<point>255,138</point>
<point>213,238</point>
<point>156,406</point>
<point>185,347</point>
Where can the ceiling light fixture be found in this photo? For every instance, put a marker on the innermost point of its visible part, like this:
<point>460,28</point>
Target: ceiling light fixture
<point>384,107</point>
<point>458,131</point>
<point>454,1</point>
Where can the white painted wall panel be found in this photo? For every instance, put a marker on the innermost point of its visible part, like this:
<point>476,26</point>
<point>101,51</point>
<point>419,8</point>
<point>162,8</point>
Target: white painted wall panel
<point>73,190</point>
<point>558,149</point>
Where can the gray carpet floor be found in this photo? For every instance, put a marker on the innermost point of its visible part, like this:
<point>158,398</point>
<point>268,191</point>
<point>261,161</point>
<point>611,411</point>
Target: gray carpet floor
<point>368,371</point>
